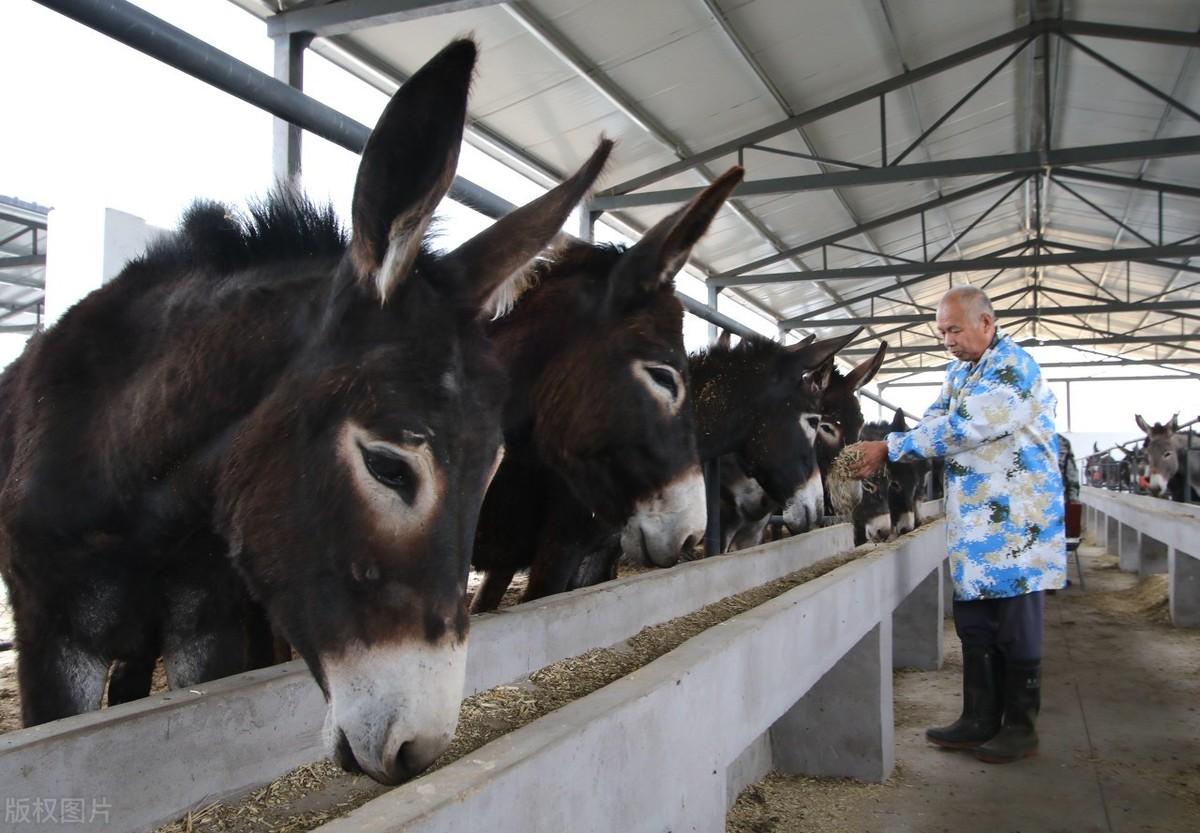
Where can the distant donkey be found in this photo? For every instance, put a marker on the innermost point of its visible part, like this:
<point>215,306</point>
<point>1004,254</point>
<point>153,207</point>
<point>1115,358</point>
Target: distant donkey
<point>1167,453</point>
<point>260,412</point>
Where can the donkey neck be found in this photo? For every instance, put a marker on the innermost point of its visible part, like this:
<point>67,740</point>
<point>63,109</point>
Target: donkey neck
<point>728,385</point>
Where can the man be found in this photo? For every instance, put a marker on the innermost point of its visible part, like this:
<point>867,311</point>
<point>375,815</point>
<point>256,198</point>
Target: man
<point>1068,470</point>
<point>994,423</point>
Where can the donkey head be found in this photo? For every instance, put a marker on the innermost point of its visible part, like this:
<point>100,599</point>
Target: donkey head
<point>767,407</point>
<point>351,495</point>
<point>1162,458</point>
<point>609,390</point>
<point>905,482</point>
<point>873,512</point>
<point>841,414</point>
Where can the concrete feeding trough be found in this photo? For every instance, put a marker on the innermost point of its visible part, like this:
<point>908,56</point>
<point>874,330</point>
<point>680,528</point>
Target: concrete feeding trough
<point>152,760</point>
<point>801,683</point>
<point>1150,535</point>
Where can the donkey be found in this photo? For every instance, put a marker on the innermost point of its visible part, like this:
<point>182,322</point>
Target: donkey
<point>762,401</point>
<point>600,447</point>
<point>906,481</point>
<point>262,409</point>
<point>1167,449</point>
<point>872,515</point>
<point>841,413</point>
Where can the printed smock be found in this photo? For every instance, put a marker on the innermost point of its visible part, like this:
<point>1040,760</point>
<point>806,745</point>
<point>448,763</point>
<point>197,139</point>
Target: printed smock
<point>994,423</point>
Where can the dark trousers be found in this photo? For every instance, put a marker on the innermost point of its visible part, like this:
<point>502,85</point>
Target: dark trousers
<point>1014,625</point>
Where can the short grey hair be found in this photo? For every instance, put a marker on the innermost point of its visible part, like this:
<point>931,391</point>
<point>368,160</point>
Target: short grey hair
<point>973,299</point>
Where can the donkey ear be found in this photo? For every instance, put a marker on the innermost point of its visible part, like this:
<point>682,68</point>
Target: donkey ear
<point>662,251</point>
<point>408,166</point>
<point>898,421</point>
<point>866,371</point>
<point>1141,423</point>
<point>724,340</point>
<point>1173,425</point>
<point>797,361</point>
<point>815,381</point>
<point>504,249</point>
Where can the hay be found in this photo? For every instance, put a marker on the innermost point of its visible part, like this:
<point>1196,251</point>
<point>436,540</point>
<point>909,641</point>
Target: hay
<point>802,804</point>
<point>312,795</point>
<point>1148,601</point>
<point>845,489</point>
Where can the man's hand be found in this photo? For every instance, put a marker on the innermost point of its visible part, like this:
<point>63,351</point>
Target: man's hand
<point>874,454</point>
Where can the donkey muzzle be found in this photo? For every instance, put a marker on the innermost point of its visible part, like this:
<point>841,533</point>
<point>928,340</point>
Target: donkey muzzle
<point>803,512</point>
<point>668,522</point>
<point>393,708</point>
<point>879,528</point>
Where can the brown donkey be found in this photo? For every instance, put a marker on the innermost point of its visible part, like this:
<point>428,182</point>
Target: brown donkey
<point>600,448</point>
<point>263,410</point>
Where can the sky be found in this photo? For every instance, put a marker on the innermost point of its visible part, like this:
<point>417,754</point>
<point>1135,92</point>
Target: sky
<point>91,121</point>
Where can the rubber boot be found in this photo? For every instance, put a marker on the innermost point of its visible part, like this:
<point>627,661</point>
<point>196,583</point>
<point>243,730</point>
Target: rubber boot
<point>1022,700</point>
<point>982,707</point>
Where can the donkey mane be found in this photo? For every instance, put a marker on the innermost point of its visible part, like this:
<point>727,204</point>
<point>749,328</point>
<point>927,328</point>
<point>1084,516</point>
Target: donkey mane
<point>752,349</point>
<point>212,237</point>
<point>876,430</point>
<point>573,258</point>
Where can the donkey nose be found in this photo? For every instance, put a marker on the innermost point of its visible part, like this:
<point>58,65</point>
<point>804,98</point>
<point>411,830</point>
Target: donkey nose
<point>689,545</point>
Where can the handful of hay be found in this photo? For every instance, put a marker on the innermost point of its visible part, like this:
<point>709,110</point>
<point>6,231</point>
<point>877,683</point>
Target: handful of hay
<point>845,490</point>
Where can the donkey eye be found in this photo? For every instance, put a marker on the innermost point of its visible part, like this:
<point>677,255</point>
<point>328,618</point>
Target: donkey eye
<point>869,486</point>
<point>814,422</point>
<point>664,377</point>
<point>894,486</point>
<point>392,471</point>
<point>828,429</point>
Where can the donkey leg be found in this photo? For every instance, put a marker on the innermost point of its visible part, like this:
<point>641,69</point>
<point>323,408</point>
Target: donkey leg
<point>131,679</point>
<point>205,634</point>
<point>492,590</point>
<point>58,678</point>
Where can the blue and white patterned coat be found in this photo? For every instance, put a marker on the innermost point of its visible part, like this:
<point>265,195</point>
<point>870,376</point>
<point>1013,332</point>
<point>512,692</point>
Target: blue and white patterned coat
<point>994,423</point>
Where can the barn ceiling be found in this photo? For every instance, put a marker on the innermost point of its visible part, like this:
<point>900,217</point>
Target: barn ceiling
<point>1049,152</point>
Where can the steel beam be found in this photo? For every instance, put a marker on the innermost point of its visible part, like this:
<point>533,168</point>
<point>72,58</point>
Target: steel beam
<point>1014,312</point>
<point>141,30</point>
<point>1167,339</point>
<point>1057,365</point>
<point>22,261</point>
<point>878,222</point>
<point>1027,162</point>
<point>25,221</point>
<point>345,16</point>
<point>1127,182</point>
<point>1070,379</point>
<point>875,293</point>
<point>943,267</point>
<point>1183,267</point>
<point>1166,37</point>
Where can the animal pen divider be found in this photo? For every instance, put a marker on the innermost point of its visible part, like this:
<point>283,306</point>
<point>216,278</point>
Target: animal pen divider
<point>802,682</point>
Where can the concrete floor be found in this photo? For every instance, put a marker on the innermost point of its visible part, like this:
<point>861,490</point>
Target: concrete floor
<point>1120,733</point>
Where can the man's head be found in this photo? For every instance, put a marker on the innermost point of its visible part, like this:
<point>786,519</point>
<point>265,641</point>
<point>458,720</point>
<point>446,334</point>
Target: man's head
<point>967,322</point>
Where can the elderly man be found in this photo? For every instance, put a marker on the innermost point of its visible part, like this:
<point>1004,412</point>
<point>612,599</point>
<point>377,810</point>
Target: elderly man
<point>994,423</point>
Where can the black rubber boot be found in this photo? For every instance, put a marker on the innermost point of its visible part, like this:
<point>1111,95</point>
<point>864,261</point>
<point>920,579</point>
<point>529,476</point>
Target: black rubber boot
<point>1022,700</point>
<point>982,706</point>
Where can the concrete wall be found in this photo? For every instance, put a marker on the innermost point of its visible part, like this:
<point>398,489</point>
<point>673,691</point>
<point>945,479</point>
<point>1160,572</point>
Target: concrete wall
<point>804,679</point>
<point>1150,535</point>
<point>153,759</point>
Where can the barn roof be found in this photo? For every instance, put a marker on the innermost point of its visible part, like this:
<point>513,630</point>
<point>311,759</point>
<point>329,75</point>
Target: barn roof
<point>1047,151</point>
